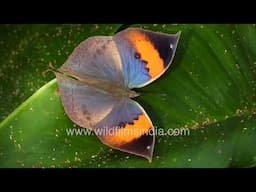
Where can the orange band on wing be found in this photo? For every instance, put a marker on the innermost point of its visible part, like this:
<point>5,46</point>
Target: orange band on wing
<point>129,132</point>
<point>148,52</point>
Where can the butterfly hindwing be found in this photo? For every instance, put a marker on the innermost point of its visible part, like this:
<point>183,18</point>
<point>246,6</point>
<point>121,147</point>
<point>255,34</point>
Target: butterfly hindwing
<point>84,104</point>
<point>128,128</point>
<point>145,55</point>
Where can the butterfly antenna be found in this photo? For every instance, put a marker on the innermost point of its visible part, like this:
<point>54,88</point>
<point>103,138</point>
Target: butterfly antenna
<point>51,68</point>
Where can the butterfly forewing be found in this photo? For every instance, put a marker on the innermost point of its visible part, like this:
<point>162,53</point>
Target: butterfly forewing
<point>145,55</point>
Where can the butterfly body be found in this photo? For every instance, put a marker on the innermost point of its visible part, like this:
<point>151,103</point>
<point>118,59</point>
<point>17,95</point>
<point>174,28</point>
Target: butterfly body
<point>96,85</point>
<point>114,89</point>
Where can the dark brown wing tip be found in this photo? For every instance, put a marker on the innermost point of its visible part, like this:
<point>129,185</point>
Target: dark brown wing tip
<point>178,36</point>
<point>149,157</point>
<point>178,33</point>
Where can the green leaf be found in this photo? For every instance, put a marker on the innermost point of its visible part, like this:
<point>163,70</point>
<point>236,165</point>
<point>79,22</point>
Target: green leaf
<point>210,88</point>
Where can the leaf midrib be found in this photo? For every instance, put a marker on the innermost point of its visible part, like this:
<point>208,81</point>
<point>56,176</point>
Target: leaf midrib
<point>27,102</point>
